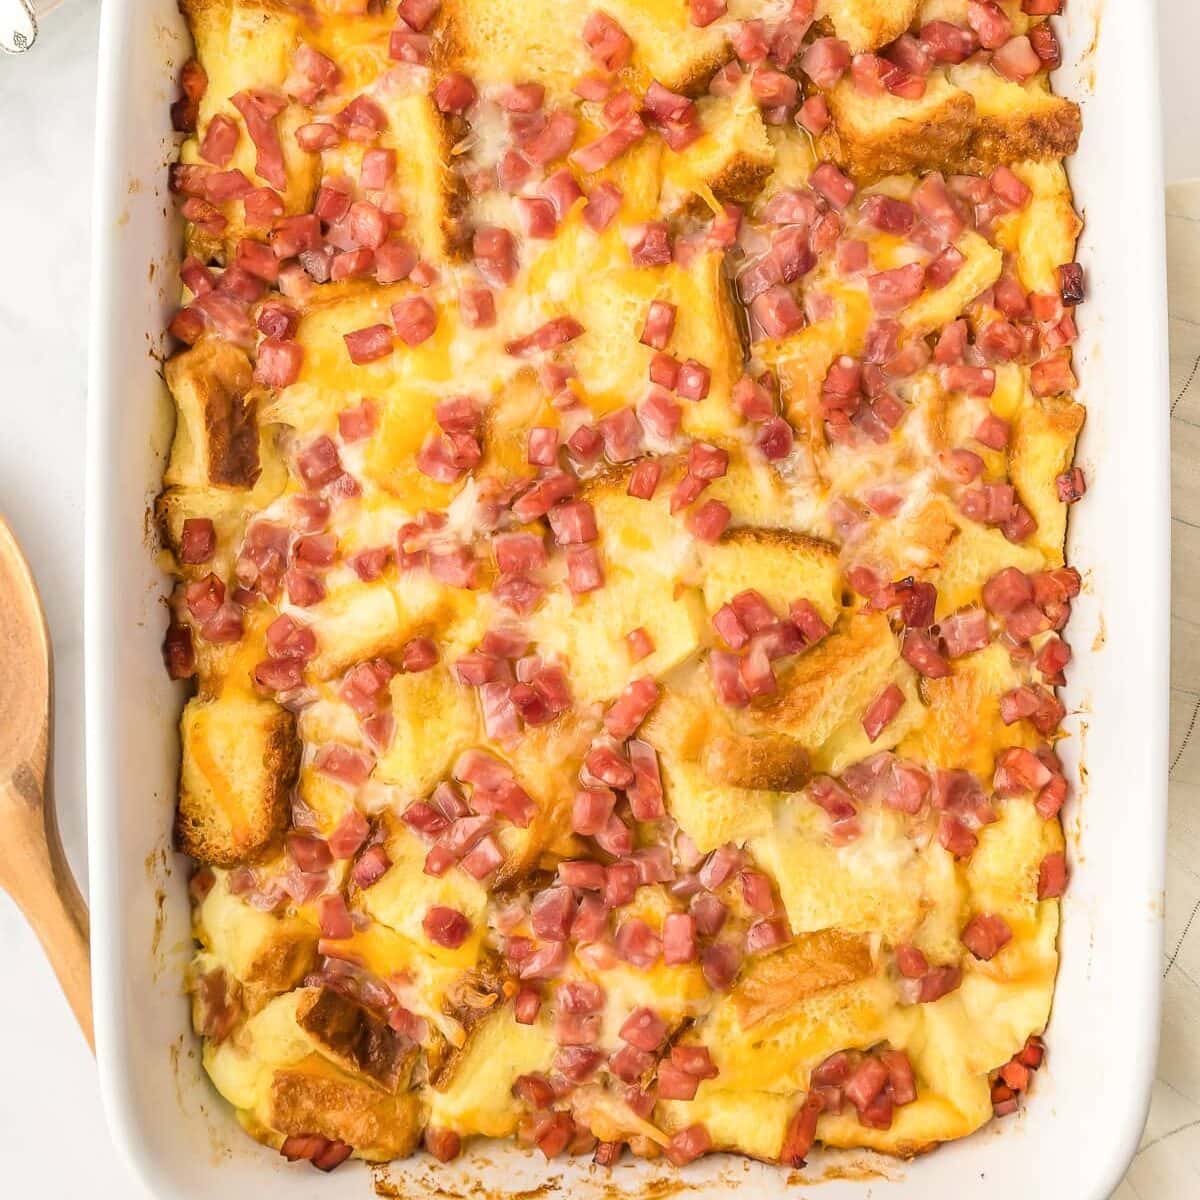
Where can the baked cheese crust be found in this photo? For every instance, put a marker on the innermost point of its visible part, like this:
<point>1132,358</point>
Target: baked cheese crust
<point>617,509</point>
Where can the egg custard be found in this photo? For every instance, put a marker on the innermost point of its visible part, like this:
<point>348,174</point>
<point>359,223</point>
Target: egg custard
<point>618,506</point>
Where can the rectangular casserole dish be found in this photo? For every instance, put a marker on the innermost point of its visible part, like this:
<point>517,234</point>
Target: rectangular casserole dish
<point>1083,1122</point>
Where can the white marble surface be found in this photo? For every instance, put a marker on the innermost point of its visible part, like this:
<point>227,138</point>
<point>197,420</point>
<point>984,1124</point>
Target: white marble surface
<point>53,1142</point>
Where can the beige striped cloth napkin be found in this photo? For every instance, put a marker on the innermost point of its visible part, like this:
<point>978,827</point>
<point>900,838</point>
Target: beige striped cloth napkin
<point>1167,1166</point>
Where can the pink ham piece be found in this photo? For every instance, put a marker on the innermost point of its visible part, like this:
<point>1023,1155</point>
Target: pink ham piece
<point>719,965</point>
<point>644,1029</point>
<point>813,115</point>
<point>343,763</point>
<point>679,939</point>
<point>1052,876</point>
<point>220,140</point>
<point>415,320</point>
<point>279,363</point>
<point>659,325</point>
<point>259,110</point>
<point>198,540</point>
<point>948,43</point>
<point>554,140</point>
<point>573,523</point>
<point>825,60</point>
<point>636,943</point>
<point>964,632</point>
<point>777,312</point>
<point>1017,60</point>
<point>675,1083</point>
<point>334,918</point>
<point>756,892</point>
<point>621,881</point>
<point>989,21</point>
<point>893,290</point>
<point>369,344</point>
<point>551,914</point>
<point>584,570</point>
<point>446,926</point>
<point>650,244</point>
<point>349,835</point>
<point>645,794</point>
<point>454,93</point>
<point>495,253</point>
<point>830,183</point>
<point>603,204</point>
<point>709,521</point>
<point>691,1143</point>
<point>606,149</point>
<point>554,333</point>
<point>630,709</point>
<point>604,763</point>
<point>608,44</point>
<point>705,12</point>
<point>881,711</point>
<point>372,865</point>
<point>643,483</point>
<point>986,934</point>
<point>621,434</point>
<point>694,380</point>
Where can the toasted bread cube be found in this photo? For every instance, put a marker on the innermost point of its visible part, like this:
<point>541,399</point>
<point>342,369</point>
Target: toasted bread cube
<point>609,296</point>
<point>590,634</point>
<point>247,44</point>
<point>226,510</point>
<point>803,359</point>
<point>938,307</point>
<point>963,729</point>
<point>1047,228</point>
<point>713,813</point>
<point>755,494</point>
<point>356,1039</point>
<point>547,762</point>
<point>1043,447</point>
<point>436,719</point>
<point>429,191</point>
<point>878,883</point>
<point>216,437</point>
<point>261,949</point>
<point>868,24</point>
<point>240,758</point>
<point>776,1054</point>
<point>874,136</point>
<point>646,553</point>
<point>379,1127</point>
<point>742,1122</point>
<point>770,761</point>
<point>824,693</point>
<point>733,159</point>
<point>772,985</point>
<point>719,785</point>
<point>476,1096</point>
<point>1003,871</point>
<point>361,621</point>
<point>781,565</point>
<point>1015,121</point>
<point>971,558</point>
<point>541,40</point>
<point>401,898</point>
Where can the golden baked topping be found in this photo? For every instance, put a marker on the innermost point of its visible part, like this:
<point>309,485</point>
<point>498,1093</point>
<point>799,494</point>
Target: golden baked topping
<point>618,505</point>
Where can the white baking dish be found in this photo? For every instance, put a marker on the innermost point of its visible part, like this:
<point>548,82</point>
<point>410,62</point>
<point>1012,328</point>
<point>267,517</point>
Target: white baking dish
<point>1082,1124</point>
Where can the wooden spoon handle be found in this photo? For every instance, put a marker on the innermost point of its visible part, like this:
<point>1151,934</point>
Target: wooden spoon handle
<point>44,888</point>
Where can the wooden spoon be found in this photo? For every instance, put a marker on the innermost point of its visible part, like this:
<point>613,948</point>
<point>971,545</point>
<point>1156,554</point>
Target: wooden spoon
<point>33,867</point>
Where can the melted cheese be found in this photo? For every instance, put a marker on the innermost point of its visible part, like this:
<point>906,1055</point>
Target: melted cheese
<point>730,775</point>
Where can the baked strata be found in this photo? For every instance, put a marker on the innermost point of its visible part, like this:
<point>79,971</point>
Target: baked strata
<point>618,506</point>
